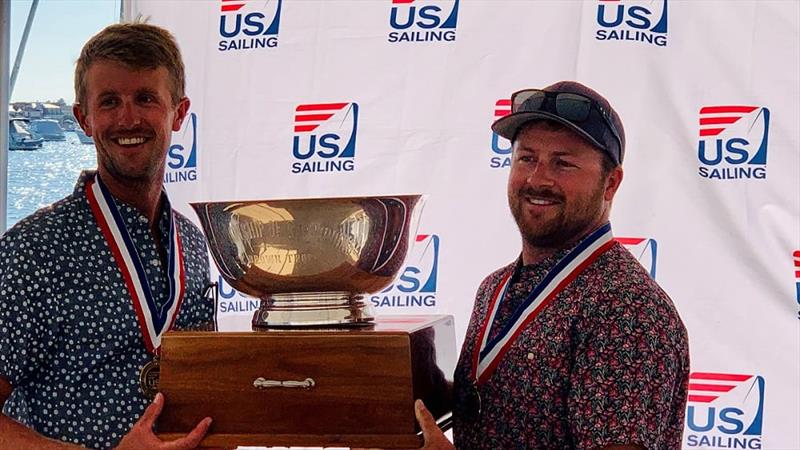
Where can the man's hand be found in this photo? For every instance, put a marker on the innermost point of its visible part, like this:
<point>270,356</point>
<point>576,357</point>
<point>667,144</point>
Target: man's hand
<point>141,436</point>
<point>434,438</point>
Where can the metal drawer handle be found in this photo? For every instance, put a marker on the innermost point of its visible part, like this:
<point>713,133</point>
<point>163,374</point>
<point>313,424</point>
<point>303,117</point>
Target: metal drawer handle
<point>261,383</point>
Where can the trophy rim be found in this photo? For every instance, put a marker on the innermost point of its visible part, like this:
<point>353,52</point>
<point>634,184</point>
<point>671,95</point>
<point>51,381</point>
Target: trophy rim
<point>345,198</point>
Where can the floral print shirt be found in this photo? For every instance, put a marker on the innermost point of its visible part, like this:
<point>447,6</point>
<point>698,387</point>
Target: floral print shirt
<point>606,362</point>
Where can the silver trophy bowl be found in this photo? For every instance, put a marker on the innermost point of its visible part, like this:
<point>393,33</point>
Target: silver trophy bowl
<point>310,261</point>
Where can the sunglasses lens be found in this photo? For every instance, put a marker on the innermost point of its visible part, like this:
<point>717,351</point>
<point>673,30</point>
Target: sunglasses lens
<point>573,107</point>
<point>530,100</point>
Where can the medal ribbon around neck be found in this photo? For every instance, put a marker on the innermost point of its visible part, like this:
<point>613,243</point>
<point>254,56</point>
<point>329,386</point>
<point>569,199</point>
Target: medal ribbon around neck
<point>488,354</point>
<point>153,321</point>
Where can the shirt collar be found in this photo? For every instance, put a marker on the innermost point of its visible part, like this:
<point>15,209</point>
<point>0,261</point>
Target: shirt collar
<point>166,206</point>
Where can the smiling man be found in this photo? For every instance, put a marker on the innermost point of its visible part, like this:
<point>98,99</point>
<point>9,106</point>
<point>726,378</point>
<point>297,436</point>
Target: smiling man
<point>573,345</point>
<point>89,284</point>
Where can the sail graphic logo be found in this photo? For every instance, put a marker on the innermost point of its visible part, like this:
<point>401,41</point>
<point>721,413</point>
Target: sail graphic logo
<point>415,287</point>
<point>797,279</point>
<point>724,411</point>
<point>636,21</point>
<point>423,20</point>
<point>733,142</point>
<point>248,24</point>
<point>325,137</point>
<point>232,301</point>
<point>501,147</point>
<point>644,249</point>
<point>182,155</point>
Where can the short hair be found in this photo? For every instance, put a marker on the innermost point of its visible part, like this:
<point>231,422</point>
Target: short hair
<point>139,46</point>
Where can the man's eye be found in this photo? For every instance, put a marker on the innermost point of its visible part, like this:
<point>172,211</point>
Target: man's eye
<point>562,163</point>
<point>108,102</point>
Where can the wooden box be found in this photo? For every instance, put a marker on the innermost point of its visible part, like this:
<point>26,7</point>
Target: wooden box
<point>364,383</point>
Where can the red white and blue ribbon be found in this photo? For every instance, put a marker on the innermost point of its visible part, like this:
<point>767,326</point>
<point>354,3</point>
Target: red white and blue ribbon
<point>489,353</point>
<point>153,319</point>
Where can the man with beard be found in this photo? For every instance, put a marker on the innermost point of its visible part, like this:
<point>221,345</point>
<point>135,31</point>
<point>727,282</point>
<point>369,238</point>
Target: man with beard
<point>573,345</point>
<point>89,284</point>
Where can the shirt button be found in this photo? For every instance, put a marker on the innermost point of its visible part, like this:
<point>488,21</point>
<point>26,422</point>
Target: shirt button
<point>530,356</point>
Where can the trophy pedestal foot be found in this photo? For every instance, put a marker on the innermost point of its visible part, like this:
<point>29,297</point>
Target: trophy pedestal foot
<point>313,310</point>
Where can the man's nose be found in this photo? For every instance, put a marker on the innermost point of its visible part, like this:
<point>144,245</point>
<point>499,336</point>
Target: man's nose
<point>128,116</point>
<point>540,175</point>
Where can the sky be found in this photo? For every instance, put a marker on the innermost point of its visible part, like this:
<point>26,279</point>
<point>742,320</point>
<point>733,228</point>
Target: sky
<point>59,30</point>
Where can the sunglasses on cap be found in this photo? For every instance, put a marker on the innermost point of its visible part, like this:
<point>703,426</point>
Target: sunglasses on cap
<point>583,113</point>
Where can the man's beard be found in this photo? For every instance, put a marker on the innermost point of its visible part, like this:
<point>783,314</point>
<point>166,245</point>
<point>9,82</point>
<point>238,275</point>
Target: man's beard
<point>571,222</point>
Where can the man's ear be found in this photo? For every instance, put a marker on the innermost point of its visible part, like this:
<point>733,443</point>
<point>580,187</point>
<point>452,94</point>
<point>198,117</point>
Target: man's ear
<point>180,113</point>
<point>78,113</point>
<point>613,181</point>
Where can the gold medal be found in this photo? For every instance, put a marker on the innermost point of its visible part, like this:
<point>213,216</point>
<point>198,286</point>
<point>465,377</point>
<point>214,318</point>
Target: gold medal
<point>148,378</point>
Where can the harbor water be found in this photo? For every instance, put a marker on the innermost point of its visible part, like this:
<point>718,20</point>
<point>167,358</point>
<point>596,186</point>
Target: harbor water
<point>37,178</point>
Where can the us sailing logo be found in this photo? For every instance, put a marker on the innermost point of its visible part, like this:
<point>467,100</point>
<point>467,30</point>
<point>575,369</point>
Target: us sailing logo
<point>182,155</point>
<point>797,279</point>
<point>724,411</point>
<point>635,21</point>
<point>232,301</point>
<point>644,249</point>
<point>423,20</point>
<point>325,137</point>
<point>501,147</point>
<point>415,287</point>
<point>248,24</point>
<point>733,142</point>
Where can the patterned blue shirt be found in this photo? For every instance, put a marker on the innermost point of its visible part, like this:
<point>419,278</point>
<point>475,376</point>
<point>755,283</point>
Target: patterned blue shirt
<point>70,343</point>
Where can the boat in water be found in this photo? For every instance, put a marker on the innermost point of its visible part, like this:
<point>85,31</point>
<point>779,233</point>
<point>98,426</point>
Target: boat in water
<point>47,129</point>
<point>85,139</point>
<point>20,137</point>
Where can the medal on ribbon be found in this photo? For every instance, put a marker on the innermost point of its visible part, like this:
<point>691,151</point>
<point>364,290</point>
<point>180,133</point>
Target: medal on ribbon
<point>154,320</point>
<point>488,353</point>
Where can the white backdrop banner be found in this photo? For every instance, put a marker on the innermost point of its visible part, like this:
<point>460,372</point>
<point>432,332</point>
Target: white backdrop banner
<point>709,92</point>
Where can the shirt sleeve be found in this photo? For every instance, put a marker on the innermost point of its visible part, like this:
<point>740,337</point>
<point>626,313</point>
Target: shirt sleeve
<point>27,323</point>
<point>627,377</point>
<point>197,309</point>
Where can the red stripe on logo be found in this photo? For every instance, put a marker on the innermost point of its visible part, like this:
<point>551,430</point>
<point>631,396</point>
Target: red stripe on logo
<point>710,387</point>
<point>727,109</point>
<point>718,120</point>
<point>711,131</point>
<point>628,240</point>
<point>312,117</point>
<point>702,398</point>
<point>402,2</point>
<point>421,237</point>
<point>304,128</point>
<point>228,8</point>
<point>719,376</point>
<point>502,107</point>
<point>321,107</point>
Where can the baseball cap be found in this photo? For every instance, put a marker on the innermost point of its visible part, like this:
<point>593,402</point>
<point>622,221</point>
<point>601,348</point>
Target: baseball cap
<point>572,104</point>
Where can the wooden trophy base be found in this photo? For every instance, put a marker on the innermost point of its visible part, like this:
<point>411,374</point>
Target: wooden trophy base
<point>320,388</point>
